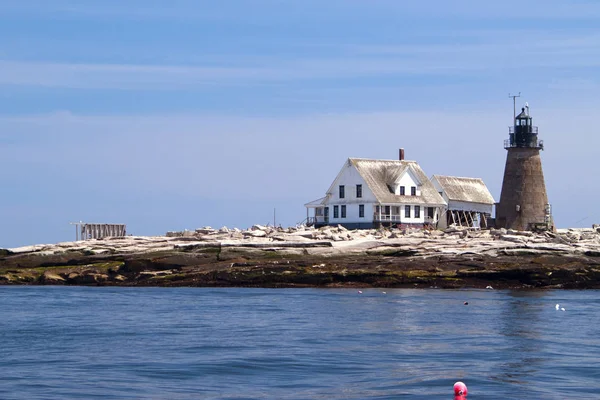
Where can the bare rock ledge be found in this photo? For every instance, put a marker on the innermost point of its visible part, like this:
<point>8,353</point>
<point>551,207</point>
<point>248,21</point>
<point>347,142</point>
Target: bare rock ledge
<point>326,257</point>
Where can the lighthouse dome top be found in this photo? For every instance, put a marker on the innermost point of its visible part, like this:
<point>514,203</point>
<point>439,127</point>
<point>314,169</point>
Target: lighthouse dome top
<point>524,114</point>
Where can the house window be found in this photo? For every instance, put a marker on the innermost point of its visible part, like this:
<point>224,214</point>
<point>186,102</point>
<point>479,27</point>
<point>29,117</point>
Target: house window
<point>342,192</point>
<point>358,191</point>
<point>407,211</point>
<point>402,190</point>
<point>430,212</point>
<point>361,211</point>
<point>413,190</point>
<point>343,211</point>
<point>336,211</point>
<point>417,211</point>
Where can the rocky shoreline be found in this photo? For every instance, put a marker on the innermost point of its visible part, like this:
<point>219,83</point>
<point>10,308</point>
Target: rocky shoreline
<point>325,257</point>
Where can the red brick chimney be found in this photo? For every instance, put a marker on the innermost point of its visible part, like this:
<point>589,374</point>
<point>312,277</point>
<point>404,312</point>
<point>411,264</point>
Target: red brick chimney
<point>401,154</point>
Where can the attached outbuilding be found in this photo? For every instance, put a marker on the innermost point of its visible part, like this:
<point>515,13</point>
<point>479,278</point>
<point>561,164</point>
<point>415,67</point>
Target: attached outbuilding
<point>470,203</point>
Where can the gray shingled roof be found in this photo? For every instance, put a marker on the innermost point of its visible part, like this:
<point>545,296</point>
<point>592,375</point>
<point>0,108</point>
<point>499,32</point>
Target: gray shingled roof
<point>465,189</point>
<point>379,175</point>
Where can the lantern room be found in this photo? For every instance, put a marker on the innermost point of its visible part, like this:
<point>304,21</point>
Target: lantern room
<point>523,134</point>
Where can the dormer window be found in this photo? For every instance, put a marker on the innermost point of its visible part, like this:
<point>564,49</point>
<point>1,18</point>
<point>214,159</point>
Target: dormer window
<point>402,190</point>
<point>413,190</point>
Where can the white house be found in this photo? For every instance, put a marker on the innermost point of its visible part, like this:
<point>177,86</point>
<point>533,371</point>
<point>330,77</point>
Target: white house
<point>470,203</point>
<point>371,193</point>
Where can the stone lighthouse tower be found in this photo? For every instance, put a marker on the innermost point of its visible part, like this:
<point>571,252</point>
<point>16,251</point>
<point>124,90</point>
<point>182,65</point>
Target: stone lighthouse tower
<point>523,202</point>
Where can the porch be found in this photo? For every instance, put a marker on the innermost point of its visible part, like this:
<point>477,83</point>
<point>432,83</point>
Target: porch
<point>318,220</point>
<point>321,213</point>
<point>386,215</point>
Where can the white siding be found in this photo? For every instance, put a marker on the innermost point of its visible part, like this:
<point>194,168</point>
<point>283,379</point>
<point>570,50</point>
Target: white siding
<point>438,187</point>
<point>349,177</point>
<point>412,219</point>
<point>468,206</point>
<point>407,180</point>
<point>351,213</point>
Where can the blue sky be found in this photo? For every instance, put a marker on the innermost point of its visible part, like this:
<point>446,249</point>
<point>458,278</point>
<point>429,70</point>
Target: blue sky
<point>169,115</point>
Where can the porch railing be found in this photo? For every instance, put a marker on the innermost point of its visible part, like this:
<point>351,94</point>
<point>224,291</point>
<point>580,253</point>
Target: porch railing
<point>310,221</point>
<point>387,217</point>
<point>398,218</point>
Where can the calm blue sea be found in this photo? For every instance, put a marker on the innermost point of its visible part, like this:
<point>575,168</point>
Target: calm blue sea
<point>201,343</point>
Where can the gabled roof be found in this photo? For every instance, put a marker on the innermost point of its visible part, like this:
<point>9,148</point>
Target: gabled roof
<point>471,190</point>
<point>380,175</point>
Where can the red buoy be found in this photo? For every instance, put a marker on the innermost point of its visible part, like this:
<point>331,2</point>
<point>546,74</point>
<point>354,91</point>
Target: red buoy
<point>460,391</point>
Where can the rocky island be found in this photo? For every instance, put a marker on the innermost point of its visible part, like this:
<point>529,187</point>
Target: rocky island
<point>326,257</point>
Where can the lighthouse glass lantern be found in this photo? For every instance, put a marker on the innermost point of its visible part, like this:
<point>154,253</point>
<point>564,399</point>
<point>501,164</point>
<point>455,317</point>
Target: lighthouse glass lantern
<point>523,134</point>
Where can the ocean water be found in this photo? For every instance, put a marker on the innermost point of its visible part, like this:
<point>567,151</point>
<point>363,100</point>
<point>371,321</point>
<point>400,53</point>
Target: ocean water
<point>204,343</point>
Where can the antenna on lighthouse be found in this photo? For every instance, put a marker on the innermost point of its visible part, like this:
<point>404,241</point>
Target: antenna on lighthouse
<point>514,97</point>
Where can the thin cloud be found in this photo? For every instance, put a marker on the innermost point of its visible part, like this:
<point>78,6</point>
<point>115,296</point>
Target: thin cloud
<point>138,9</point>
<point>190,9</point>
<point>440,60</point>
<point>118,76</point>
<point>492,54</point>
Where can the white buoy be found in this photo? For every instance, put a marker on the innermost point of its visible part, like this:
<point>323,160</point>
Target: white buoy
<point>557,307</point>
<point>489,287</point>
<point>384,292</point>
<point>563,309</point>
<point>360,292</point>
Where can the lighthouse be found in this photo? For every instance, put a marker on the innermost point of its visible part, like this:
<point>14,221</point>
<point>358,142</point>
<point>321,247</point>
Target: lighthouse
<point>523,202</point>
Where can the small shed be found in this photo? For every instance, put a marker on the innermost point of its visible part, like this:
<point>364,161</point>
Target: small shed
<point>470,203</point>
